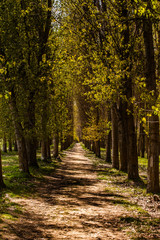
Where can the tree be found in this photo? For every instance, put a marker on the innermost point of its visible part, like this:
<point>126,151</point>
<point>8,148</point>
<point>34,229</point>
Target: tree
<point>2,185</point>
<point>23,48</point>
<point>153,146</point>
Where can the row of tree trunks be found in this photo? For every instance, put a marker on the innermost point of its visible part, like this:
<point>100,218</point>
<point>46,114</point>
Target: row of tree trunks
<point>64,144</point>
<point>10,144</point>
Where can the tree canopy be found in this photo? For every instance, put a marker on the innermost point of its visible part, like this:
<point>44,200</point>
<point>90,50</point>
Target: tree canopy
<point>82,70</point>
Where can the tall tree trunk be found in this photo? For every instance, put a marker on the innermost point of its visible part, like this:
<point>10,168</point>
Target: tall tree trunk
<point>97,143</point>
<point>21,144</point>
<point>97,148</point>
<point>4,144</point>
<point>31,141</point>
<point>153,155</point>
<point>153,146</point>
<point>90,146</point>
<point>128,131</point>
<point>48,148</point>
<point>108,147</point>
<point>56,145</point>
<point>94,147</point>
<point>22,152</point>
<point>2,185</point>
<point>122,133</point>
<point>108,141</point>
<point>31,147</point>
<point>10,144</point>
<point>44,150</point>
<point>44,120</point>
<point>141,141</point>
<point>115,155</point>
<point>132,148</point>
<point>15,145</point>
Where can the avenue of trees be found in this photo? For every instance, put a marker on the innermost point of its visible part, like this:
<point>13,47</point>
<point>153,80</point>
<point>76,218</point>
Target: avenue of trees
<point>82,70</point>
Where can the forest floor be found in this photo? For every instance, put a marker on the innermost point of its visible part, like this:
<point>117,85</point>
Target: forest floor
<point>82,199</point>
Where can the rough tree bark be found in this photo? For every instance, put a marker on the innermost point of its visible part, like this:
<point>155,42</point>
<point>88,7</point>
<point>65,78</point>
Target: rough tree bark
<point>153,140</point>
<point>21,144</point>
<point>128,131</point>
<point>141,141</point>
<point>108,141</point>
<point>122,133</point>
<point>4,143</point>
<point>56,145</point>
<point>115,155</point>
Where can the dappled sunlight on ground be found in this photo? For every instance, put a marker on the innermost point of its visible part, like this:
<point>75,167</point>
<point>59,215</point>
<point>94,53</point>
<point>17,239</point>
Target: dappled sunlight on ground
<point>71,204</point>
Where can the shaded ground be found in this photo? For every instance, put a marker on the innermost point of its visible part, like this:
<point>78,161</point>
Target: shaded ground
<point>73,204</point>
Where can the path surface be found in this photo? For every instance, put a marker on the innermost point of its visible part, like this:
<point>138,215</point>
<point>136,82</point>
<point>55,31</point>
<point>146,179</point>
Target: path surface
<point>72,204</point>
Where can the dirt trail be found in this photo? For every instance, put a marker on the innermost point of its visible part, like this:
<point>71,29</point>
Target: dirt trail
<point>72,204</point>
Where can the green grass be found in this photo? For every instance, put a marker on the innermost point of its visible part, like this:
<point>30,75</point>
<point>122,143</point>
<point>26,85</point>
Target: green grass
<point>19,183</point>
<point>8,209</point>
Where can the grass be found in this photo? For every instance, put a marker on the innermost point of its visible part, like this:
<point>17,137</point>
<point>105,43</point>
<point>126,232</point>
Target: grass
<point>119,189</point>
<point>19,184</point>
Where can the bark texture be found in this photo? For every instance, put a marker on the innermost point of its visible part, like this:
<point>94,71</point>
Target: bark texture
<point>115,155</point>
<point>153,141</point>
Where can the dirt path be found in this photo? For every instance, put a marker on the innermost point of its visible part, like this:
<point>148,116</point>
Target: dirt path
<point>72,204</point>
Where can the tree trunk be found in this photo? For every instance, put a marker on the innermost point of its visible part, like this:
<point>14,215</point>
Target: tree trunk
<point>31,147</point>
<point>48,149</point>
<point>90,146</point>
<point>2,185</point>
<point>56,145</point>
<point>108,140</point>
<point>132,149</point>
<point>108,148</point>
<point>22,153</point>
<point>153,155</point>
<point>44,150</point>
<point>31,141</point>
<point>128,147</point>
<point>123,145</point>
<point>10,145</point>
<point>4,144</point>
<point>94,147</point>
<point>153,146</point>
<point>15,146</point>
<point>97,149</point>
<point>21,144</point>
<point>141,141</point>
<point>115,155</point>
